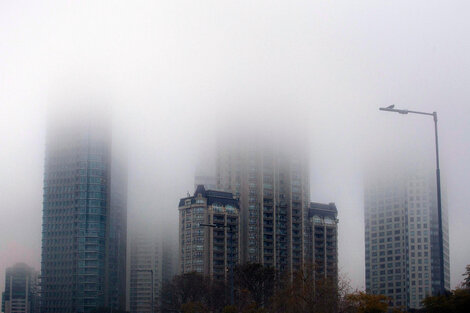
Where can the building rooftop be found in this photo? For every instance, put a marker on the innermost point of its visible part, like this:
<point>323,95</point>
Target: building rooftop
<point>323,209</point>
<point>212,196</point>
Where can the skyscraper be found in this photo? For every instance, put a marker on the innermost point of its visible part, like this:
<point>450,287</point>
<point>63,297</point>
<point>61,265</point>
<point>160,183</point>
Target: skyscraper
<point>146,272</point>
<point>169,257</point>
<point>208,250</point>
<point>271,179</point>
<point>206,180</point>
<point>21,290</point>
<point>152,264</point>
<point>84,216</point>
<point>401,237</point>
<point>322,240</point>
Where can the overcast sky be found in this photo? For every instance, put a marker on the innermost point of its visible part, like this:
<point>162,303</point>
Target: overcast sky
<point>174,71</point>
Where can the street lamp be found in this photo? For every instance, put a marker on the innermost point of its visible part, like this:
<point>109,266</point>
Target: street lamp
<point>151,278</point>
<point>230,228</point>
<point>391,108</point>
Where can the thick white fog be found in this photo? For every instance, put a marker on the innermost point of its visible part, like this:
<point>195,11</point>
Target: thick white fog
<point>177,72</point>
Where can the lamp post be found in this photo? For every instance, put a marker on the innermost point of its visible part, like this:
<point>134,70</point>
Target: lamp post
<point>230,228</point>
<point>151,278</point>
<point>391,108</point>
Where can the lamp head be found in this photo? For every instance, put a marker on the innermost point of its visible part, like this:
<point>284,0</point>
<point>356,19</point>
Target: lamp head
<point>391,108</point>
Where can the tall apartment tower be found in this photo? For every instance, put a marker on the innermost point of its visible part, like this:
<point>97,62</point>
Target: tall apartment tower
<point>322,240</point>
<point>272,183</point>
<point>401,237</point>
<point>203,249</point>
<point>209,181</point>
<point>84,216</point>
<point>21,290</point>
<point>169,258</point>
<point>146,272</point>
<point>152,264</point>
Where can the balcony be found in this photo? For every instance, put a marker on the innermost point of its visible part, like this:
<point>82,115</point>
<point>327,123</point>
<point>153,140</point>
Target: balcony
<point>268,202</point>
<point>218,235</point>
<point>268,216</point>
<point>268,230</point>
<point>268,209</point>
<point>268,238</point>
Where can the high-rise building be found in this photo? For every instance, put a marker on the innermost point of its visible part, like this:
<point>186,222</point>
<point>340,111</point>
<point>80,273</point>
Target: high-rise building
<point>203,249</point>
<point>205,170</point>
<point>322,240</point>
<point>152,263</point>
<point>272,183</point>
<point>169,258</point>
<point>84,216</point>
<point>146,272</point>
<point>208,181</point>
<point>21,293</point>
<point>401,237</point>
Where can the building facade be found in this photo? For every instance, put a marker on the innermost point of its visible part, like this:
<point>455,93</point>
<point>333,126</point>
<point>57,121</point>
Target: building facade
<point>84,217</point>
<point>21,293</point>
<point>203,249</point>
<point>146,272</point>
<point>322,240</point>
<point>152,264</point>
<point>209,181</point>
<point>401,237</point>
<point>169,258</point>
<point>272,183</point>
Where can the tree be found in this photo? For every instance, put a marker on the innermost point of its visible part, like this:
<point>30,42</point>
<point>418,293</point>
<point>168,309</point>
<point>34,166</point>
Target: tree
<point>230,309</point>
<point>192,292</point>
<point>461,299</point>
<point>344,289</point>
<point>294,294</point>
<point>457,301</point>
<point>259,289</point>
<point>466,275</point>
<point>194,307</point>
<point>303,292</point>
<point>362,302</point>
<point>438,304</point>
<point>255,283</point>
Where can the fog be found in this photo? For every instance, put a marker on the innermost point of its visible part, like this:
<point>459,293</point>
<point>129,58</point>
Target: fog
<point>175,74</point>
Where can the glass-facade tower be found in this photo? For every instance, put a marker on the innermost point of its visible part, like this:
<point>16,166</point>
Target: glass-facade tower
<point>84,218</point>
